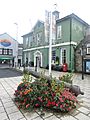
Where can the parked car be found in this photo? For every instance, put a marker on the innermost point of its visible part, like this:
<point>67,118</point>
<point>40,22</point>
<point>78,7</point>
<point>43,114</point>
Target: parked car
<point>55,67</point>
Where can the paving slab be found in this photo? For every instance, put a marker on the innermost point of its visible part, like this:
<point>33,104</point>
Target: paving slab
<point>5,100</point>
<point>15,116</point>
<point>9,104</point>
<point>82,116</point>
<point>0,104</point>
<point>68,118</point>
<point>3,116</point>
<point>12,109</point>
<point>52,118</point>
<point>31,115</point>
<point>22,119</point>
<point>74,112</point>
<point>37,118</point>
<point>84,110</point>
<point>2,109</point>
<point>47,114</point>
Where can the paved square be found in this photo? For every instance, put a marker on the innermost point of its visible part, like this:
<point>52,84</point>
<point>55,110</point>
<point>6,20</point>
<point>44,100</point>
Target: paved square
<point>9,111</point>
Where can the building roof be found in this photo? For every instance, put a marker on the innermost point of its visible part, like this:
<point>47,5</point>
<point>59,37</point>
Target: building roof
<point>27,34</point>
<point>8,35</point>
<point>38,21</point>
<point>60,20</point>
<point>72,16</point>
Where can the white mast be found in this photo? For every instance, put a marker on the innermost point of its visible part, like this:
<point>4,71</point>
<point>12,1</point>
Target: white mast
<point>50,44</point>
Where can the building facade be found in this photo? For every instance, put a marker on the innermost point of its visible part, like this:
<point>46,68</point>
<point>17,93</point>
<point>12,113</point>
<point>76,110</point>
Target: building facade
<point>69,31</point>
<point>8,50</point>
<point>82,54</point>
<point>20,54</point>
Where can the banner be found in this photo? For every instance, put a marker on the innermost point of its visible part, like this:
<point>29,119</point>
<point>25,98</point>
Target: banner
<point>53,29</point>
<point>47,26</point>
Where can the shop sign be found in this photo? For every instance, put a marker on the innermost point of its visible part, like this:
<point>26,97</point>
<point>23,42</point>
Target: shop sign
<point>5,42</point>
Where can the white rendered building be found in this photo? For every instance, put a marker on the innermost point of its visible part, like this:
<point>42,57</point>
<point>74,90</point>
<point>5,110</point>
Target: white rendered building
<point>8,50</point>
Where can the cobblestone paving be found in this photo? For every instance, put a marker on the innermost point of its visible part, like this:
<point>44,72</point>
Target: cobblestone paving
<point>9,111</point>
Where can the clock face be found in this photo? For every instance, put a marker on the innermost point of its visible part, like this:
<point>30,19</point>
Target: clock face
<point>5,42</point>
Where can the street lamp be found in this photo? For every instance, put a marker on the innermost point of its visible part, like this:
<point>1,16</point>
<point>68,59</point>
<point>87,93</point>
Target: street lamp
<point>16,47</point>
<point>83,53</point>
<point>16,31</point>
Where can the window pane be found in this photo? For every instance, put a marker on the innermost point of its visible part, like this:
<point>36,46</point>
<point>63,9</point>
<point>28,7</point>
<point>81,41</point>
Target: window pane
<point>0,51</point>
<point>54,55</point>
<point>88,50</point>
<point>59,32</point>
<point>63,55</point>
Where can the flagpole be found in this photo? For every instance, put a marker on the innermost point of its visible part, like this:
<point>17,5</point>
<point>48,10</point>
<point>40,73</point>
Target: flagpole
<point>50,44</point>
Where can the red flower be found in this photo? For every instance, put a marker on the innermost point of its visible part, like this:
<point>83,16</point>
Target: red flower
<point>49,103</point>
<point>53,103</point>
<point>25,99</point>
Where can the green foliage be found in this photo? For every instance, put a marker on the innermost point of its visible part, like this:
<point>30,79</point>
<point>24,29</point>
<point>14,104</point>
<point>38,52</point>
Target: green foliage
<point>42,94</point>
<point>66,78</point>
<point>27,77</point>
<point>56,87</point>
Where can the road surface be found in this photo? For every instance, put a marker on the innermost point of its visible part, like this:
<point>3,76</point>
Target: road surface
<point>6,72</point>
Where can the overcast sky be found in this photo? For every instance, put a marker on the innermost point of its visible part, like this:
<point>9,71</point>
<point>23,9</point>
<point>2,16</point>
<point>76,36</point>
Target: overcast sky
<point>26,13</point>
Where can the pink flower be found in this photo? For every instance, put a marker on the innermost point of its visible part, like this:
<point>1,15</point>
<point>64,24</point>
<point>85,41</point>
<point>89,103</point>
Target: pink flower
<point>37,105</point>
<point>27,105</point>
<point>61,106</point>
<point>40,99</point>
<point>57,105</point>
<point>61,100</point>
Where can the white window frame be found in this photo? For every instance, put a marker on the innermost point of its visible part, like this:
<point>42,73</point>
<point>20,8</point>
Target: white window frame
<point>54,55</point>
<point>88,48</point>
<point>59,32</point>
<point>26,41</point>
<point>61,57</point>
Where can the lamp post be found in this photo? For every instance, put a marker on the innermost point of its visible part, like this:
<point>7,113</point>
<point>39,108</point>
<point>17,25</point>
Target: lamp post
<point>83,53</point>
<point>82,61</point>
<point>16,31</point>
<point>16,48</point>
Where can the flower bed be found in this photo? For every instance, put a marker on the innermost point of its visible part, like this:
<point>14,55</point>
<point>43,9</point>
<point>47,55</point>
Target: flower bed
<point>44,94</point>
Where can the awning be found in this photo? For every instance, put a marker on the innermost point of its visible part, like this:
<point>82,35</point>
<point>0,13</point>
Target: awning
<point>5,58</point>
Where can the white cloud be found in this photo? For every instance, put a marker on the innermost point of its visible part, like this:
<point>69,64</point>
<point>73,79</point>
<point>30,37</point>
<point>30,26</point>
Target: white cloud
<point>27,12</point>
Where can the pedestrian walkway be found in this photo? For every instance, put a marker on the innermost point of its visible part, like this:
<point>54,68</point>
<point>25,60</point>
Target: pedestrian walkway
<point>56,74</point>
<point>9,111</point>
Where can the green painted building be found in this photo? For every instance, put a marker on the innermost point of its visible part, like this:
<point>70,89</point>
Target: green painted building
<point>69,32</point>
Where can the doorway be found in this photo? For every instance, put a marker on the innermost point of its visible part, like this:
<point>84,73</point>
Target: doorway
<point>38,58</point>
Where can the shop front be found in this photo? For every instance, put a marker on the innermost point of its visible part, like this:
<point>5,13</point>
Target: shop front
<point>87,66</point>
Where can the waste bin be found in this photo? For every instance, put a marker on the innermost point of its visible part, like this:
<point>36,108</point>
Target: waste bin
<point>65,67</point>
